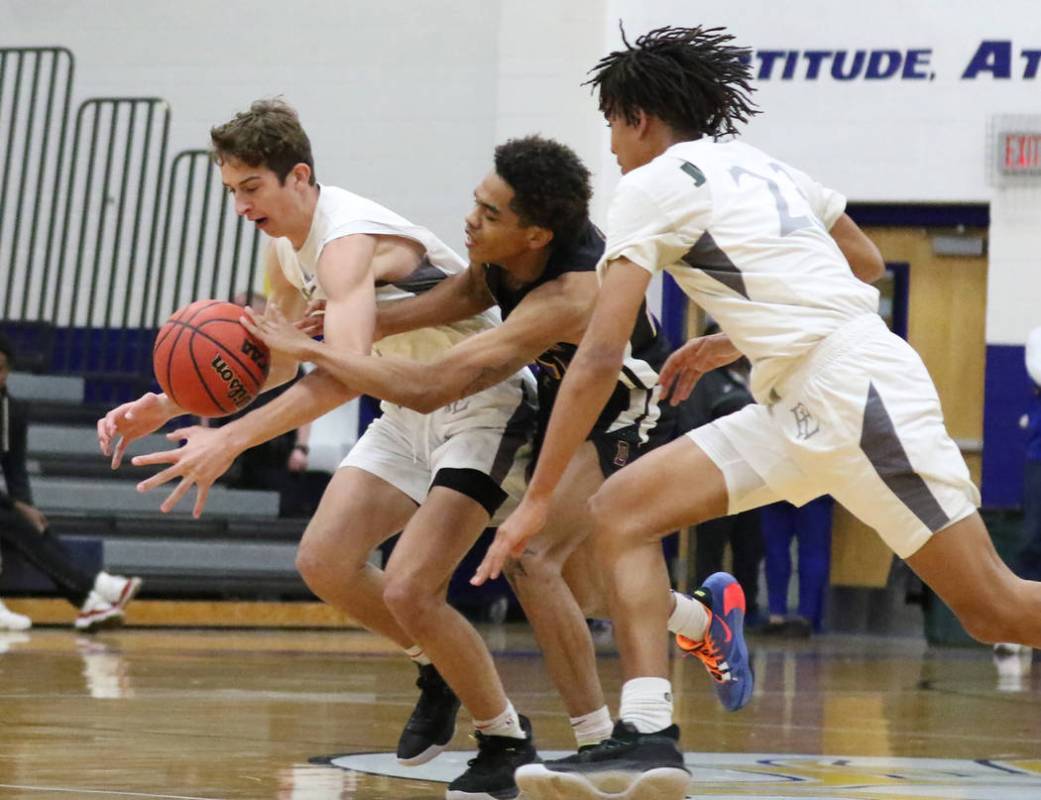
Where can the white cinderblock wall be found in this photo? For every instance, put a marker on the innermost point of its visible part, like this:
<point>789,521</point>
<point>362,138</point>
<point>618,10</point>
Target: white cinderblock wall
<point>405,100</point>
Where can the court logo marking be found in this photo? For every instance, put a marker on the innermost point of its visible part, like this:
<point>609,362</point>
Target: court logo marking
<point>736,776</point>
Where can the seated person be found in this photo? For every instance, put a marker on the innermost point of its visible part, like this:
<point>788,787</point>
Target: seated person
<point>100,597</point>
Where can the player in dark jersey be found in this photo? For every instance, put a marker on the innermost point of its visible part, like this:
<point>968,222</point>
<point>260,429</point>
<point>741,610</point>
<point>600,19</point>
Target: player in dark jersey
<point>632,420</point>
<point>533,252</point>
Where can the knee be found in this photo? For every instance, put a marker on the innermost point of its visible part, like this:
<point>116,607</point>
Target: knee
<point>532,570</point>
<point>325,568</point>
<point>613,527</point>
<point>313,566</point>
<point>408,599</point>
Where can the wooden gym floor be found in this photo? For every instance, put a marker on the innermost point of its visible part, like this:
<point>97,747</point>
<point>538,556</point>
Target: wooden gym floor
<point>239,714</point>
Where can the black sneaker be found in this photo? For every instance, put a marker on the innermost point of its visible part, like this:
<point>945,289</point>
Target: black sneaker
<point>489,776</point>
<point>638,766</point>
<point>432,724</point>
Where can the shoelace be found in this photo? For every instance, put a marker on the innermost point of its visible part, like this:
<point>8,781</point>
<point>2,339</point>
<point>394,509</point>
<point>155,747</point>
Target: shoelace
<point>709,655</point>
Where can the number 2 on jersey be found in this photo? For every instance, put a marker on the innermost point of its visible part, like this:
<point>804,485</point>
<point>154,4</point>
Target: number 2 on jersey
<point>789,223</point>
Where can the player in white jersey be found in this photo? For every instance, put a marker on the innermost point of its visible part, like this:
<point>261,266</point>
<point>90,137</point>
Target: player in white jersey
<point>846,407</point>
<point>438,477</point>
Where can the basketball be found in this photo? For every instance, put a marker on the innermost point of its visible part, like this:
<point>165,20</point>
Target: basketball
<point>206,362</point>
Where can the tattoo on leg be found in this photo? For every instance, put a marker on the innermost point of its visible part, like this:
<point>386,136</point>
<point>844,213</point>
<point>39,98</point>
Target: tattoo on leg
<point>514,568</point>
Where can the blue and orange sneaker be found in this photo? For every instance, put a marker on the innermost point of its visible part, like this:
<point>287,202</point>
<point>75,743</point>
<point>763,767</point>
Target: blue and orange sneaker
<point>723,650</point>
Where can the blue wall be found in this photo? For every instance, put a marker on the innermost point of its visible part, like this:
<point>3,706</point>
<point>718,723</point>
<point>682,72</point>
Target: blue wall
<point>1007,390</point>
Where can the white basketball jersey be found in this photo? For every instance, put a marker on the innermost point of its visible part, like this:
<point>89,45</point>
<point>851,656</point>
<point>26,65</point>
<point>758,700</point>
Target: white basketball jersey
<point>746,237</point>
<point>341,213</point>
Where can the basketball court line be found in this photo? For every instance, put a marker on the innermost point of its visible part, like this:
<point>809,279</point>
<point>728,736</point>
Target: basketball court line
<point>102,792</point>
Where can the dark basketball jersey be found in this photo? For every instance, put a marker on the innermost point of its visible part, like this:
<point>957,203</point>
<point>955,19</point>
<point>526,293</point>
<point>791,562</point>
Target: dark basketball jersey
<point>632,413</point>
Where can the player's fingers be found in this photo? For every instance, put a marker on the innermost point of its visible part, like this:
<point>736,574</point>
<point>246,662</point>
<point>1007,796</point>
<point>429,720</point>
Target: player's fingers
<point>181,434</point>
<point>176,495</point>
<point>516,549</point>
<point>251,325</point>
<point>687,381</point>
<point>668,388</point>
<point>684,386</point>
<point>667,376</point>
<point>104,437</point>
<point>117,454</point>
<point>158,457</point>
<point>491,566</point>
<point>481,573</point>
<point>200,501</point>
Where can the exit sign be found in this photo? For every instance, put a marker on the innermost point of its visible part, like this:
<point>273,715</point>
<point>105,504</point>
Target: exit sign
<point>1020,153</point>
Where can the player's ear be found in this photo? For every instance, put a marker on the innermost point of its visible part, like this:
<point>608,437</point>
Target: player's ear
<point>539,237</point>
<point>643,122</point>
<point>302,174</point>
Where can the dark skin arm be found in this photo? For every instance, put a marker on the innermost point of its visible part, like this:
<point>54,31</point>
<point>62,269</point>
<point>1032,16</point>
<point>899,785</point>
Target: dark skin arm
<point>586,388</point>
<point>456,298</point>
<point>472,365</point>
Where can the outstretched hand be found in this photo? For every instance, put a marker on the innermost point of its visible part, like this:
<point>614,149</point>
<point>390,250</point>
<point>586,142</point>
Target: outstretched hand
<point>203,458</point>
<point>277,332</point>
<point>130,421</point>
<point>684,368</point>
<point>527,519</point>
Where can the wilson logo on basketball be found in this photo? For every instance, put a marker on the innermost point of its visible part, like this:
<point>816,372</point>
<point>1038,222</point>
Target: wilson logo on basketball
<point>256,354</point>
<point>237,393</point>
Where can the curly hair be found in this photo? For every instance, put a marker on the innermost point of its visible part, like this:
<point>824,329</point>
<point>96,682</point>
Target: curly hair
<point>690,78</point>
<point>268,135</point>
<point>551,185</point>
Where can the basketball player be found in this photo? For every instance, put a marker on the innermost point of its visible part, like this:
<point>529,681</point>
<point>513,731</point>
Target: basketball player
<point>533,252</point>
<point>845,407</point>
<point>439,477</point>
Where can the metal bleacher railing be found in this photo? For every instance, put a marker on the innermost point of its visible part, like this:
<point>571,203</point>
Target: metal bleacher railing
<point>94,254</point>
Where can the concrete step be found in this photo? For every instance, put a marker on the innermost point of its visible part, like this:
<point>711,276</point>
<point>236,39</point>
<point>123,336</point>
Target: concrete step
<point>56,388</point>
<point>108,497</point>
<point>83,441</point>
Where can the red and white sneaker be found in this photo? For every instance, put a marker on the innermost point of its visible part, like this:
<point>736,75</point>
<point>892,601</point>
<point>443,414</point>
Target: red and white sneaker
<point>105,605</point>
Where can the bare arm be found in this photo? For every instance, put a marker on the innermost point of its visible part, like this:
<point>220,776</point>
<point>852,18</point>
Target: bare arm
<point>458,297</point>
<point>345,272</point>
<point>472,365</point>
<point>292,304</point>
<point>586,388</point>
<point>863,256</point>
<point>592,374</point>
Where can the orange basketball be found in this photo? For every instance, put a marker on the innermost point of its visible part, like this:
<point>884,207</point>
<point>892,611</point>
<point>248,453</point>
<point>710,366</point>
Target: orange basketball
<point>206,362</point>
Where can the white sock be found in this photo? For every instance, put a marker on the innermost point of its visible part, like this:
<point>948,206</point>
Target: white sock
<point>506,724</point>
<point>647,704</point>
<point>415,652</point>
<point>689,618</point>
<point>592,728</point>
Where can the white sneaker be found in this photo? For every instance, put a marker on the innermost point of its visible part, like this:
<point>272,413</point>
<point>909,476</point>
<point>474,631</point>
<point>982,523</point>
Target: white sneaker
<point>97,613</point>
<point>10,621</point>
<point>105,605</point>
<point>115,589</point>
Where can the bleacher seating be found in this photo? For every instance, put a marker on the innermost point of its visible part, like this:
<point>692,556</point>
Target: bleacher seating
<point>238,548</point>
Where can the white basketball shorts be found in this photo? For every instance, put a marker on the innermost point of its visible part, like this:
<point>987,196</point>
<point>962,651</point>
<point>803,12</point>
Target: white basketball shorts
<point>859,419</point>
<point>479,446</point>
